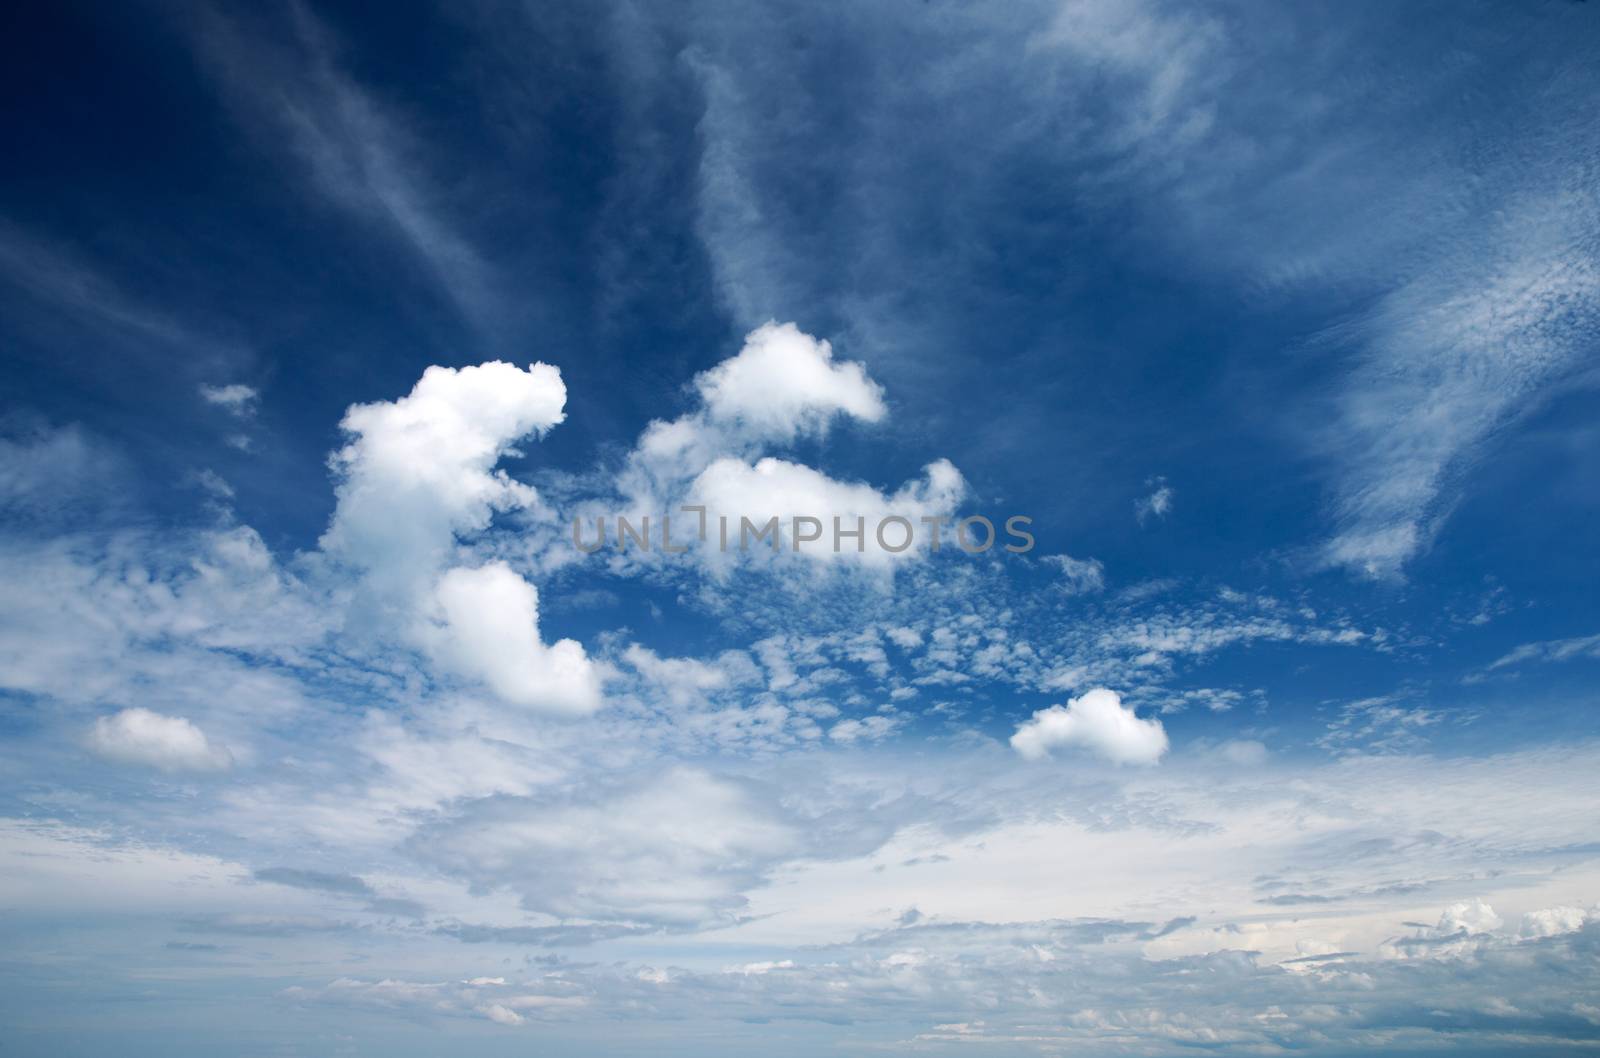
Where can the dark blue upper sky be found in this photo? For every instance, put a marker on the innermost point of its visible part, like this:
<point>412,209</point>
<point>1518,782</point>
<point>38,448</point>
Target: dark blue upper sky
<point>319,207</point>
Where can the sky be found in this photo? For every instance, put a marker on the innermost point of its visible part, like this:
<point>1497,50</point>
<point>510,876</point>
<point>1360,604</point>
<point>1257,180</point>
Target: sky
<point>1260,720</point>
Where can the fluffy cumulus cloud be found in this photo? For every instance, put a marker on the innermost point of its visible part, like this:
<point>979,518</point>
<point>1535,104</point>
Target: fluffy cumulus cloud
<point>168,743</point>
<point>420,469</point>
<point>419,472</point>
<point>785,383</point>
<point>781,386</point>
<point>488,628</point>
<point>1096,722</point>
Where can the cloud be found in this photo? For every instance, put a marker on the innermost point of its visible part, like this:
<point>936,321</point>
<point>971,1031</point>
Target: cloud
<point>1243,752</point>
<point>417,473</point>
<point>785,383</point>
<point>505,1003</point>
<point>236,398</point>
<point>1079,576</point>
<point>488,629</point>
<point>58,276</point>
<point>685,680</point>
<point>866,729</point>
<point>1556,921</point>
<point>1384,724</point>
<point>1551,650</point>
<point>782,385</point>
<point>167,743</point>
<point>1449,358</point>
<point>676,850</point>
<point>777,488</point>
<point>419,470</point>
<point>1157,504</point>
<point>1096,722</point>
<point>52,474</point>
<point>357,153</point>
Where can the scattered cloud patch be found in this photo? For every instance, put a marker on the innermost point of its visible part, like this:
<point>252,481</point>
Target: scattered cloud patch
<point>1096,722</point>
<point>1157,504</point>
<point>166,743</point>
<point>1079,576</point>
<point>235,398</point>
<point>1551,650</point>
<point>784,383</point>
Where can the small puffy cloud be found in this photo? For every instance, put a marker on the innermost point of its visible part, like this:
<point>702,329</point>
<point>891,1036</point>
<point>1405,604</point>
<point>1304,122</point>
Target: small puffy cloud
<point>904,638</point>
<point>1079,576</point>
<point>487,629</point>
<point>237,399</point>
<point>168,743</point>
<point>785,383</point>
<point>1097,722</point>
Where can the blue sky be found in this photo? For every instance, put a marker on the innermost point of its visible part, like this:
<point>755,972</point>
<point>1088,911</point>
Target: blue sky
<point>319,332</point>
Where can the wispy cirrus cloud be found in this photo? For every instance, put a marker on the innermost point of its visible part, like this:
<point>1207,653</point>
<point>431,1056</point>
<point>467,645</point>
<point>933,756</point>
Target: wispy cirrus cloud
<point>357,153</point>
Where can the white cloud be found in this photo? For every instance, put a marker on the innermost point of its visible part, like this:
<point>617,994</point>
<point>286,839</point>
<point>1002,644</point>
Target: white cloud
<point>358,153</point>
<point>785,383</point>
<point>867,729</point>
<point>903,637</point>
<point>237,398</point>
<point>1079,576</point>
<point>1555,921</point>
<point>168,743</point>
<point>676,850</point>
<point>1450,357</point>
<point>1157,504</point>
<point>686,680</point>
<point>500,1014</point>
<point>1097,722</point>
<point>776,488</point>
<point>1552,650</point>
<point>420,469</point>
<point>488,629</point>
<point>1468,917</point>
<point>781,386</point>
<point>509,1004</point>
